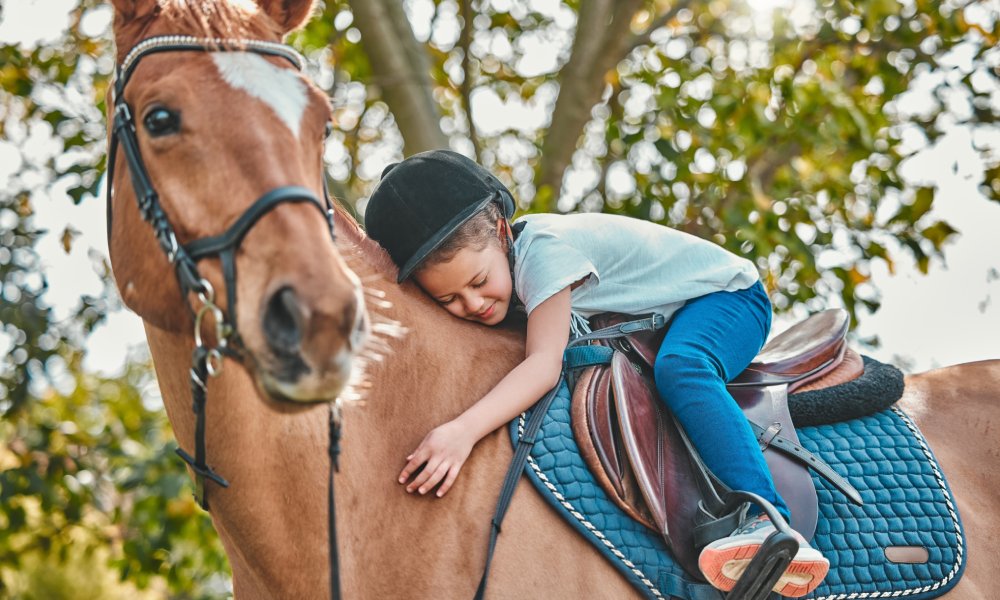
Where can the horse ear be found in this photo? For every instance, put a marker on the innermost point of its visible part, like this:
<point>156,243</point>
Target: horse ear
<point>127,11</point>
<point>288,14</point>
<point>131,17</point>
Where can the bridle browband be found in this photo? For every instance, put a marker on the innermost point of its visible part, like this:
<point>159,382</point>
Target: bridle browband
<point>207,361</point>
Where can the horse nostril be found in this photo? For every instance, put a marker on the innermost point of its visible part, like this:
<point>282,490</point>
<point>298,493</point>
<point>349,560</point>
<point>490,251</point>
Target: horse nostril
<point>283,321</point>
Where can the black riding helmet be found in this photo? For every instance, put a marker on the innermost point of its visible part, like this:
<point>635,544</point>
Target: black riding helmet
<point>421,201</point>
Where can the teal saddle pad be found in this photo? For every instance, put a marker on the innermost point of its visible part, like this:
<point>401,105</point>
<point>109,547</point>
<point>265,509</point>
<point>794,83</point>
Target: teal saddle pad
<point>907,502</point>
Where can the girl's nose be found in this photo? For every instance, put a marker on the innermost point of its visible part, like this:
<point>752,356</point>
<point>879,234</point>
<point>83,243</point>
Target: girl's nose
<point>474,304</point>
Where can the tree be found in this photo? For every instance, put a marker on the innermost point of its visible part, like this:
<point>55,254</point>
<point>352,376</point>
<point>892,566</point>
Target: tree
<point>780,138</point>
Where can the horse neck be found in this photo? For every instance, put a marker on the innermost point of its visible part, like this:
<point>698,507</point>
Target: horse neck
<point>444,362</point>
<point>428,375</point>
<point>274,455</point>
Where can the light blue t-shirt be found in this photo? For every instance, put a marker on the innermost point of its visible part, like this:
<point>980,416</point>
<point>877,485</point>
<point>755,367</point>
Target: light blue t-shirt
<point>631,266</point>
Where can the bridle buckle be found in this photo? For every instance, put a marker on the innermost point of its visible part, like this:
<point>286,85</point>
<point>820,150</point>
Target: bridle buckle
<point>214,360</point>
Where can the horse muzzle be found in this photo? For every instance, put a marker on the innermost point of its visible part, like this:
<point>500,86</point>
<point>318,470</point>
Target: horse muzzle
<point>309,351</point>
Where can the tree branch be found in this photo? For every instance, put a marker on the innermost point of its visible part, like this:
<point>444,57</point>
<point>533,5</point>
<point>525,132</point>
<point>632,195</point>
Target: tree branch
<point>617,110</point>
<point>402,71</point>
<point>601,28</point>
<point>465,42</point>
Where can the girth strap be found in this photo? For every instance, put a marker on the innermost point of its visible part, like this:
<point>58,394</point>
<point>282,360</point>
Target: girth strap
<point>809,459</point>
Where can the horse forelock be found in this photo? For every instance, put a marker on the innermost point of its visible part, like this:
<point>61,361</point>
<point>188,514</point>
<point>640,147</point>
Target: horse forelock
<point>231,19</point>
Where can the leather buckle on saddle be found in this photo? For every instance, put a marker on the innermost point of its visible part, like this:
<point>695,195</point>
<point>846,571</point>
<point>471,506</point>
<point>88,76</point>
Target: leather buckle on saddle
<point>767,436</point>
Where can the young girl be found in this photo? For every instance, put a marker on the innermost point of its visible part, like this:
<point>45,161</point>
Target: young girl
<point>444,221</point>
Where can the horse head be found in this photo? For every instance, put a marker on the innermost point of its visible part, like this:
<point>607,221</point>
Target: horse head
<point>230,138</point>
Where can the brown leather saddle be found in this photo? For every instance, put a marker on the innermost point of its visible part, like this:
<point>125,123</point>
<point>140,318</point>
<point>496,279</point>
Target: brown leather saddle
<point>644,462</point>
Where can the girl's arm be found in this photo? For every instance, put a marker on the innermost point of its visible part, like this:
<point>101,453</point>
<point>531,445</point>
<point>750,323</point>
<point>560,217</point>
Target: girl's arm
<point>445,449</point>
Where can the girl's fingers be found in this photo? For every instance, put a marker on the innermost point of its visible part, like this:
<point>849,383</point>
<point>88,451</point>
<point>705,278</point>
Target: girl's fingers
<point>414,461</point>
<point>433,480</point>
<point>452,474</point>
<point>424,475</point>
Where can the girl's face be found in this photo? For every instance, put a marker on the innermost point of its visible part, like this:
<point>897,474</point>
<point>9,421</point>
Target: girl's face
<point>474,285</point>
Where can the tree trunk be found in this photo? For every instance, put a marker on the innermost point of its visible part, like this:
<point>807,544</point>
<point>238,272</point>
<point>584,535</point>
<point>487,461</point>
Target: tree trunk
<point>401,71</point>
<point>601,41</point>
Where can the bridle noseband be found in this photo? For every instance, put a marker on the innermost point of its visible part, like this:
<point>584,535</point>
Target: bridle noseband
<point>207,361</point>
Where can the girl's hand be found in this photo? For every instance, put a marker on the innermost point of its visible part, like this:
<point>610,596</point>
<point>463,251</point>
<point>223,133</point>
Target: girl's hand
<point>442,452</point>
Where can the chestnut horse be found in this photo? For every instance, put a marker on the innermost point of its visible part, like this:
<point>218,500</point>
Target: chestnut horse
<point>272,518</point>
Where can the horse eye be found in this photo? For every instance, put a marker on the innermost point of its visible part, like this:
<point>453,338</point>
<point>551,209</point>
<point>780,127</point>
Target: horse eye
<point>329,129</point>
<point>161,121</point>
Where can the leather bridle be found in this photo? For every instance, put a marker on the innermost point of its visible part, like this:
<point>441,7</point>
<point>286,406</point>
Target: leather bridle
<point>184,258</point>
<point>207,360</point>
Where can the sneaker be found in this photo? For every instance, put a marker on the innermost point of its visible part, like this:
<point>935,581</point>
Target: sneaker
<point>723,561</point>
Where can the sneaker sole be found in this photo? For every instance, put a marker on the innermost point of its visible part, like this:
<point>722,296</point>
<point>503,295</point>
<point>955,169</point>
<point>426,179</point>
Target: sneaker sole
<point>723,566</point>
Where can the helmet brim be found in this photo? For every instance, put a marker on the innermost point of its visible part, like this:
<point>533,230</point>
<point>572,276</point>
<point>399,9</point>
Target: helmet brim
<point>440,236</point>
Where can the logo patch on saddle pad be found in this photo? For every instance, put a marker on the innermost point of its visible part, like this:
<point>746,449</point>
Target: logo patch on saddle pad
<point>907,504</point>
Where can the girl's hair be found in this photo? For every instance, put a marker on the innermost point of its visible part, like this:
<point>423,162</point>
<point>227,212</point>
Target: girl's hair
<point>476,233</point>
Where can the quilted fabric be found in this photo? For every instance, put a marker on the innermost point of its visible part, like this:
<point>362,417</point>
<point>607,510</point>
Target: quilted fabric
<point>907,503</point>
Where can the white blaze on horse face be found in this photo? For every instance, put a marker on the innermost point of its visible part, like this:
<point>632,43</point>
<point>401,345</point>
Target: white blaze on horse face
<point>281,89</point>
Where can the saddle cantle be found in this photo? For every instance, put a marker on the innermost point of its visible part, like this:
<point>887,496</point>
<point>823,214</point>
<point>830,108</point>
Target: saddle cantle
<point>804,353</point>
<point>638,452</point>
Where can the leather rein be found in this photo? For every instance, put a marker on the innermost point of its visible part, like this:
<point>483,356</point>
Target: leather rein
<point>207,359</point>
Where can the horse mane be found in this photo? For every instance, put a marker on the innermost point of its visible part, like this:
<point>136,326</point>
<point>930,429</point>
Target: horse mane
<point>375,256</point>
<point>231,19</point>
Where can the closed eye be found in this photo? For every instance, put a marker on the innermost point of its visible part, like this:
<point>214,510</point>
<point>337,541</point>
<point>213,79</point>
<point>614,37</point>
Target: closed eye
<point>480,283</point>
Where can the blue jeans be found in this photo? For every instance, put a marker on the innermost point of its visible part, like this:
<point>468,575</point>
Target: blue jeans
<point>710,341</point>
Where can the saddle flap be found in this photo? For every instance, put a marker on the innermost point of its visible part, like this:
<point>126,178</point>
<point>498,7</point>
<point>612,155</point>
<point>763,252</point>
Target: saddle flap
<point>768,408</point>
<point>656,453</point>
<point>640,418</point>
<point>595,428</point>
<point>596,389</point>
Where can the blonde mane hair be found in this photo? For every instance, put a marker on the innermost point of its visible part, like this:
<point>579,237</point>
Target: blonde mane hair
<point>234,19</point>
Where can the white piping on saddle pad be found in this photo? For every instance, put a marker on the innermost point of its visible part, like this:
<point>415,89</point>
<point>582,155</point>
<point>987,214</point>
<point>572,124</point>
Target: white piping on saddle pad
<point>583,520</point>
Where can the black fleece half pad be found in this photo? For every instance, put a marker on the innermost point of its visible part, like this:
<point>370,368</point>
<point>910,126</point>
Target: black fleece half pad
<point>878,388</point>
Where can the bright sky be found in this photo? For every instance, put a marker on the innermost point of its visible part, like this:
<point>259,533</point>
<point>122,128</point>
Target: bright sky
<point>951,315</point>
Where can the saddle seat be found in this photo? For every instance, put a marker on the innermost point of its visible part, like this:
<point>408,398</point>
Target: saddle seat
<point>804,353</point>
<point>638,453</point>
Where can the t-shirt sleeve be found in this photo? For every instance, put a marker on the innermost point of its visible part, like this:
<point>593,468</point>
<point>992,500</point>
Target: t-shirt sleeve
<point>546,265</point>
